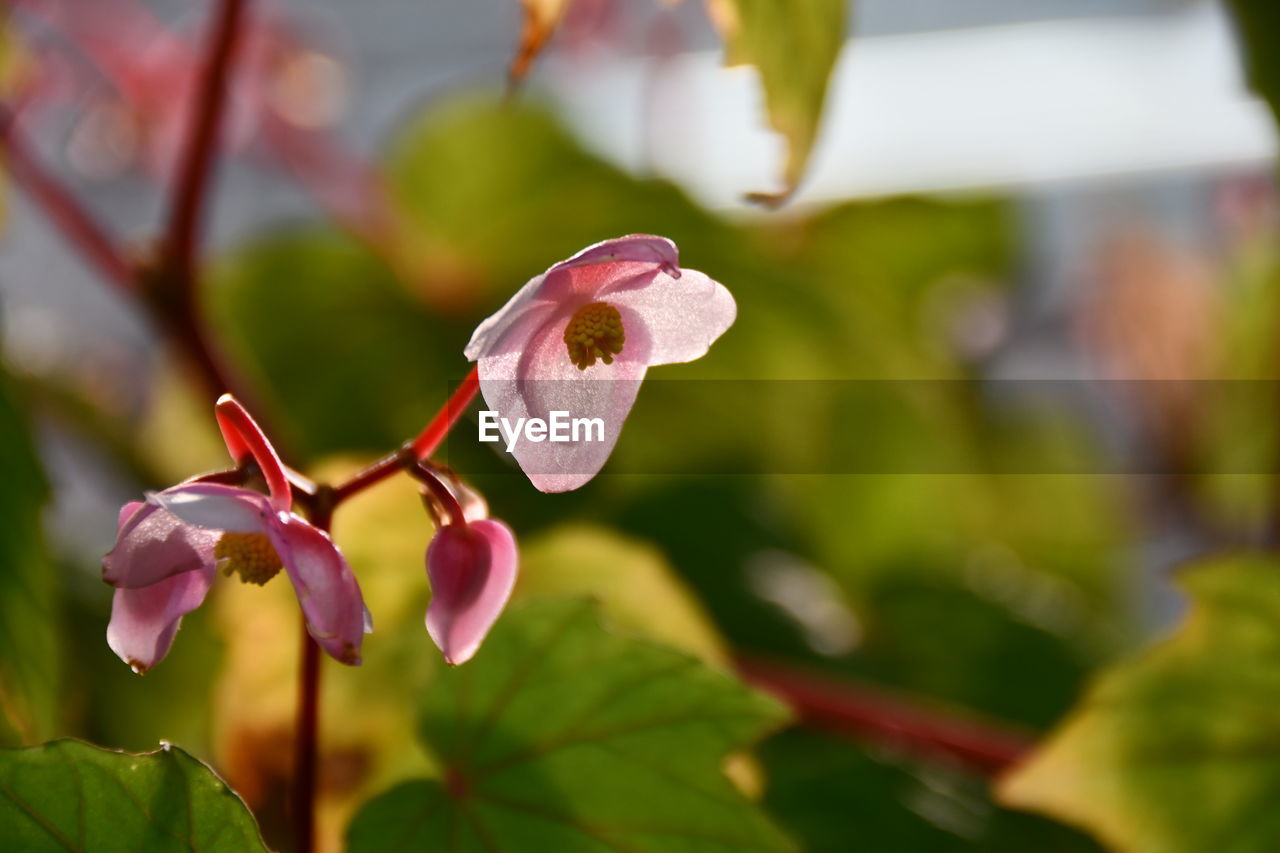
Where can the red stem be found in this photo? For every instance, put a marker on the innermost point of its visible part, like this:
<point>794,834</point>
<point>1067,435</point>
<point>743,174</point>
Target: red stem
<point>175,298</point>
<point>63,208</point>
<point>870,714</point>
<point>435,431</point>
<point>452,509</point>
<point>420,448</point>
<point>306,737</point>
<point>198,158</point>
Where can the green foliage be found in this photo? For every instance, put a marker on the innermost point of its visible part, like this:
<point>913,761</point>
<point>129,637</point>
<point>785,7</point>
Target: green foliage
<point>383,362</point>
<point>794,44</point>
<point>29,658</point>
<point>69,795</point>
<point>1177,749</point>
<point>561,736</point>
<point>1259,21</point>
<point>828,790</point>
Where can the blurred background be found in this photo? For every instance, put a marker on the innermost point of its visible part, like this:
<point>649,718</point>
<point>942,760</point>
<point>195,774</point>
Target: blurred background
<point>1001,364</point>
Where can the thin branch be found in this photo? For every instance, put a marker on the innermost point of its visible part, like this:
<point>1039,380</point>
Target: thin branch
<point>871,714</point>
<point>306,737</point>
<point>66,212</point>
<point>420,448</point>
<point>198,154</point>
<point>430,437</point>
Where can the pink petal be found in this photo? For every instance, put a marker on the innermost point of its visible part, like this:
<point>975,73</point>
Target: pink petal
<point>217,507</point>
<point>152,545</point>
<point>646,248</point>
<point>144,620</point>
<point>472,569</point>
<point>242,433</point>
<point>510,329</point>
<point>624,262</point>
<point>541,379</point>
<point>126,512</point>
<point>325,585</point>
<point>682,316</point>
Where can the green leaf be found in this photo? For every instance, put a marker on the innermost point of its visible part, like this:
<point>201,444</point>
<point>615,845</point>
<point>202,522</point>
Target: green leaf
<point>821,786</point>
<point>1178,750</point>
<point>631,579</point>
<point>794,44</point>
<point>70,795</point>
<point>1258,22</point>
<point>369,385</point>
<point>561,736</point>
<point>28,630</point>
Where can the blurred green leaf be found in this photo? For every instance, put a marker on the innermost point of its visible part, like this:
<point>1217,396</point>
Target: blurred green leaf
<point>492,194</point>
<point>70,795</point>
<point>794,45</point>
<point>828,790</point>
<point>29,665</point>
<point>630,578</point>
<point>357,364</point>
<point>1258,22</point>
<point>561,736</point>
<point>1177,749</point>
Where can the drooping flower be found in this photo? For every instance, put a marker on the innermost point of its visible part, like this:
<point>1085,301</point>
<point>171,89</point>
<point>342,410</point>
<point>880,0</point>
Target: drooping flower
<point>579,338</point>
<point>472,568</point>
<point>169,548</point>
<point>471,562</point>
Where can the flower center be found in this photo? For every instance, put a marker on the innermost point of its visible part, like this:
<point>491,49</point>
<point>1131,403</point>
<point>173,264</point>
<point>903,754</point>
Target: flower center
<point>594,331</point>
<point>248,554</point>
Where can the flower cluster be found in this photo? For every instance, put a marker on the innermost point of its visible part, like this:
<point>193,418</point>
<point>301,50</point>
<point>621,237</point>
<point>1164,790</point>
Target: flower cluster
<point>170,547</point>
<point>578,337</point>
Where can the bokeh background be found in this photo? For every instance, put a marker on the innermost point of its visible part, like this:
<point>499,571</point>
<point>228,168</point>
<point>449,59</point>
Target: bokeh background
<point>1000,366</point>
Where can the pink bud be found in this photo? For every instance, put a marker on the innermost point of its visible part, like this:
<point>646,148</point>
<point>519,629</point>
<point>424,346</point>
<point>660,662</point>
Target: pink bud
<point>472,568</point>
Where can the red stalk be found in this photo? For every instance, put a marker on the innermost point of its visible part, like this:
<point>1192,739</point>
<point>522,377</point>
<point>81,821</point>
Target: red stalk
<point>871,714</point>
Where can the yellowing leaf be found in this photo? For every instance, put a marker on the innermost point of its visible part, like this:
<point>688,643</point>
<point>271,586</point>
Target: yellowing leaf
<point>1178,750</point>
<point>629,577</point>
<point>540,20</point>
<point>794,45</point>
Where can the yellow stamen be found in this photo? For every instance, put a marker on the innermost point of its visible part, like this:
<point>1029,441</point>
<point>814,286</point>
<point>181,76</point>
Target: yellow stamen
<point>248,554</point>
<point>594,331</point>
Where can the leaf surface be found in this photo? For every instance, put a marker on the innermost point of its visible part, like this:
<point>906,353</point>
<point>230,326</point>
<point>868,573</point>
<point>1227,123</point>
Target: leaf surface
<point>70,795</point>
<point>1179,749</point>
<point>562,736</point>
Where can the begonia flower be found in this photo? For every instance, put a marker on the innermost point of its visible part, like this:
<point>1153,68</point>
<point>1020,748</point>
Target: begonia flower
<point>169,548</point>
<point>579,338</point>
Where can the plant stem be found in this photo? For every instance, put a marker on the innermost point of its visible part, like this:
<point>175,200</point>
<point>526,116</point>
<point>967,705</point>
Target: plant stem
<point>77,225</point>
<point>306,731</point>
<point>420,448</point>
<point>307,726</point>
<point>875,715</point>
<point>198,154</point>
<point>435,431</point>
<point>448,509</point>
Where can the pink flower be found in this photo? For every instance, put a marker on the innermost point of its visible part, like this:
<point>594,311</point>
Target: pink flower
<point>472,568</point>
<point>168,549</point>
<point>579,338</point>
